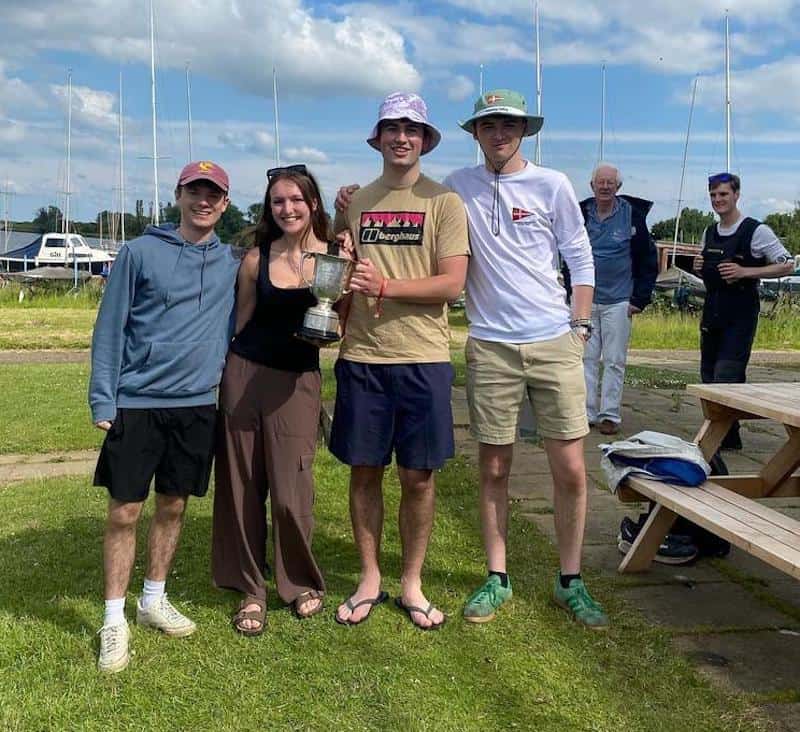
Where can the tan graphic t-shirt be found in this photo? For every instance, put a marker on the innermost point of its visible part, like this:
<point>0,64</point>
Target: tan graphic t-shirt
<point>404,232</point>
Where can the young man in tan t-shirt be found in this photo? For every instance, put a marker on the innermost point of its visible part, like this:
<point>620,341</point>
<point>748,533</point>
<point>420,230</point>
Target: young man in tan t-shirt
<point>393,373</point>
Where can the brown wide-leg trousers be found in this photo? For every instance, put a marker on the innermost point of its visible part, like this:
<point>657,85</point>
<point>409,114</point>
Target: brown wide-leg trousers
<point>267,434</point>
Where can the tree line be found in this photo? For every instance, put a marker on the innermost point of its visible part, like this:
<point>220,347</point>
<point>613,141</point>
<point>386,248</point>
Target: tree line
<point>693,222</point>
<point>235,224</point>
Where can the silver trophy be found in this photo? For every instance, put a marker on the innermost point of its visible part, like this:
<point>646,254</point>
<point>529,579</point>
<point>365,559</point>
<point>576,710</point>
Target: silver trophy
<point>330,282</point>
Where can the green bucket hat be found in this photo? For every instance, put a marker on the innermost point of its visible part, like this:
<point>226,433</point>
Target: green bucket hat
<point>503,102</point>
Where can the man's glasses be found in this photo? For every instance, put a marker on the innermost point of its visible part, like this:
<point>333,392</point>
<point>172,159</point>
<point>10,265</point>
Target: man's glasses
<point>301,169</point>
<point>720,178</point>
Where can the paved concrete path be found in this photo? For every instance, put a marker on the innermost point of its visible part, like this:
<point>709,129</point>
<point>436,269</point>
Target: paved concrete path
<point>46,465</point>
<point>737,619</point>
<point>763,366</point>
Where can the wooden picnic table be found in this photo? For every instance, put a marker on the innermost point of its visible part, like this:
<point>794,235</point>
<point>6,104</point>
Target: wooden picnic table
<point>723,404</point>
<point>724,504</point>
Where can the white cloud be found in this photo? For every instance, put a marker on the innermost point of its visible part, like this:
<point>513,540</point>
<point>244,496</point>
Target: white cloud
<point>237,43</point>
<point>771,88</point>
<point>306,154</point>
<point>778,205</point>
<point>15,94</point>
<point>246,140</point>
<point>460,88</point>
<point>662,36</point>
<point>94,108</point>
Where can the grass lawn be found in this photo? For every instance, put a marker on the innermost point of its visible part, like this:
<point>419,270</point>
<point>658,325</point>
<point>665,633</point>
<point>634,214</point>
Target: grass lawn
<point>657,328</point>
<point>27,328</point>
<point>64,322</point>
<point>532,669</point>
<point>44,408</point>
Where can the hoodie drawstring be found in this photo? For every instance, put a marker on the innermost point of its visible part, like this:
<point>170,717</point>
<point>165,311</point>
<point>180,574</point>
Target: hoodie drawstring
<point>202,275</point>
<point>168,296</point>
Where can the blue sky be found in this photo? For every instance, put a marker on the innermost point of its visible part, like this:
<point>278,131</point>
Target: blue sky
<point>336,61</point>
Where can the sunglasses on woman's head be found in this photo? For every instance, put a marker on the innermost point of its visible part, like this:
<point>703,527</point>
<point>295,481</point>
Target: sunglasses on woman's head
<point>301,169</point>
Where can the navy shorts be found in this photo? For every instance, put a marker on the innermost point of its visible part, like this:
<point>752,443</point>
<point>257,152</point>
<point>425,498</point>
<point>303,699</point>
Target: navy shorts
<point>174,444</point>
<point>403,408</point>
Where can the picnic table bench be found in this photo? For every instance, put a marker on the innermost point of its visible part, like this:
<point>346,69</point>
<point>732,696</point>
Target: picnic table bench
<point>725,505</point>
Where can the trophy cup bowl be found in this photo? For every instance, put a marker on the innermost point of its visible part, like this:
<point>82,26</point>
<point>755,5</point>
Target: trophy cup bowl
<point>330,281</point>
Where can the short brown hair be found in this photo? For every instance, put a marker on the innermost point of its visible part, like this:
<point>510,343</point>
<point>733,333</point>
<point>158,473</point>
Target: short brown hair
<point>714,181</point>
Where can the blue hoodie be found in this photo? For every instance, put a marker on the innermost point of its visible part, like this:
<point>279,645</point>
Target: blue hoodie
<point>164,324</point>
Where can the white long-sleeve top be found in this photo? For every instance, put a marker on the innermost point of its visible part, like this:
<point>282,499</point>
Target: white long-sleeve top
<point>513,294</point>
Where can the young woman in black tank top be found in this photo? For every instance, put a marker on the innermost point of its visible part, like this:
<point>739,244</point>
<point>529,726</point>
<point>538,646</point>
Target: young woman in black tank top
<point>269,411</point>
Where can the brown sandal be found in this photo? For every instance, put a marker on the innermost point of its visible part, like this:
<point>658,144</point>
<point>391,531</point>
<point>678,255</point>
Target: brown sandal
<point>304,597</point>
<point>260,616</point>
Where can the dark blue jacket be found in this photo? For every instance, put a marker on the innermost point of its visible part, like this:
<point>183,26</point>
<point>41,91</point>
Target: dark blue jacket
<point>644,257</point>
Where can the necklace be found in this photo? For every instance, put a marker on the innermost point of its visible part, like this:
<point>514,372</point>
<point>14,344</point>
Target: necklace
<point>296,264</point>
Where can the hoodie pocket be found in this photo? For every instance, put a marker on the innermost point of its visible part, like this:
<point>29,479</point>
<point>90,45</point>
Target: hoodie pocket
<point>180,369</point>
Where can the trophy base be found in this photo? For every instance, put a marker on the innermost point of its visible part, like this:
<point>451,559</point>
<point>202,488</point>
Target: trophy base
<point>313,334</point>
<point>320,324</point>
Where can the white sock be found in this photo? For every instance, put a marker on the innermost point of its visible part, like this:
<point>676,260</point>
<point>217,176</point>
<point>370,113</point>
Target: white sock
<point>153,591</point>
<point>115,612</point>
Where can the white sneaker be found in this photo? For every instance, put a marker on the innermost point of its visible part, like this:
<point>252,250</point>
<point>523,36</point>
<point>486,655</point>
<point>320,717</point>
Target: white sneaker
<point>114,654</point>
<point>163,616</point>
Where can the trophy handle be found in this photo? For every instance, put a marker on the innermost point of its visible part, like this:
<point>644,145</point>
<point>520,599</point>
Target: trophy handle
<point>349,274</point>
<point>306,255</point>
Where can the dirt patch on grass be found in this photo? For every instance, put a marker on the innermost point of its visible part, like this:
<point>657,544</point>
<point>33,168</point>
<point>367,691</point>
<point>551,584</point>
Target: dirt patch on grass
<point>77,355</point>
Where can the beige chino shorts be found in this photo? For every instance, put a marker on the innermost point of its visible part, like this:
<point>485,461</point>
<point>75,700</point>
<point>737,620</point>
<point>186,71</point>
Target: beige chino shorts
<point>550,372</point>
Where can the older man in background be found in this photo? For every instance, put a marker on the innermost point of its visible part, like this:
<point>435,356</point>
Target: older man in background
<point>625,265</point>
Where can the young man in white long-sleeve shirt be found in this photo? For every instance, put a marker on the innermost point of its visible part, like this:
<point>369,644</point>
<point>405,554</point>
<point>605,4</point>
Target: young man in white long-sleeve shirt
<point>523,339</point>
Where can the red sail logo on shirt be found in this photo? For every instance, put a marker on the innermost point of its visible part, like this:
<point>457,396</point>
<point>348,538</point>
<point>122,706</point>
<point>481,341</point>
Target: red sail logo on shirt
<point>517,214</point>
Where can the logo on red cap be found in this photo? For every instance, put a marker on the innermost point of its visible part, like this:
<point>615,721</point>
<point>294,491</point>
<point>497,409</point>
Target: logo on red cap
<point>204,170</point>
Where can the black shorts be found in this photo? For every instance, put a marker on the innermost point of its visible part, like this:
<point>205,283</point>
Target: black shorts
<point>175,444</point>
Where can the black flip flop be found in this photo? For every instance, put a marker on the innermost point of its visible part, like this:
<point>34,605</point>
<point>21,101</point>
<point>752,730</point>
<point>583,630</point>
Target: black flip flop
<point>408,609</point>
<point>379,600</point>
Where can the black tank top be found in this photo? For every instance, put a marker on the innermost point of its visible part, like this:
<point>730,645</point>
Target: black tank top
<point>733,248</point>
<point>268,337</point>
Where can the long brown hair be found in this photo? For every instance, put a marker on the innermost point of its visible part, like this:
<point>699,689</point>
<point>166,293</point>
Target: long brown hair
<point>267,229</point>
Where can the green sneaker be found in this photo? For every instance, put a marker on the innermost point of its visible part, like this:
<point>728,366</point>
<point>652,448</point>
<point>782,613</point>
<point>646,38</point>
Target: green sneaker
<point>577,601</point>
<point>481,605</point>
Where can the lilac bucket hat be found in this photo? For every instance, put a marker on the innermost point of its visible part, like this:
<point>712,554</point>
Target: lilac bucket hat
<point>406,105</point>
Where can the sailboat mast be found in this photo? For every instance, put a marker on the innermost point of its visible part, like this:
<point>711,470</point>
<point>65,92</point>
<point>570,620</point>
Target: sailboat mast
<point>67,193</point>
<point>602,112</point>
<point>6,214</point>
<point>121,126</point>
<point>277,125</point>
<point>156,205</point>
<point>480,92</point>
<point>683,173</point>
<point>538,152</point>
<point>727,95</point>
<point>189,110</point>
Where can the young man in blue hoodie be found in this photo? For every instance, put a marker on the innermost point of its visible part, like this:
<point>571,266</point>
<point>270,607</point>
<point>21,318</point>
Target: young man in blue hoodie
<point>158,349</point>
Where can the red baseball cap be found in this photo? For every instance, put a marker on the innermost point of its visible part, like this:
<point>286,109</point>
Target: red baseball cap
<point>204,170</point>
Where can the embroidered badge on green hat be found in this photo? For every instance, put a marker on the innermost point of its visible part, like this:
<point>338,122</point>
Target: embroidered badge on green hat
<point>505,103</point>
